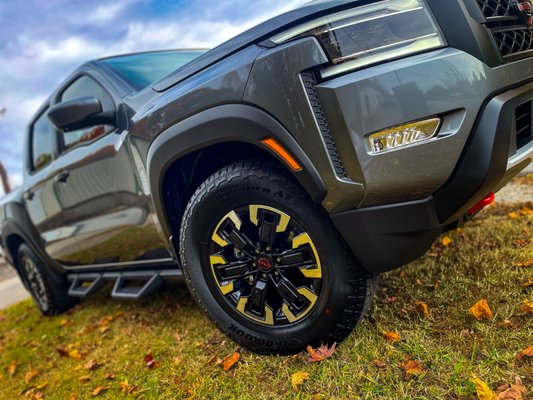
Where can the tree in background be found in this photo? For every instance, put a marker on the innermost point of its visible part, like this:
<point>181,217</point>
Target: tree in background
<point>3,174</point>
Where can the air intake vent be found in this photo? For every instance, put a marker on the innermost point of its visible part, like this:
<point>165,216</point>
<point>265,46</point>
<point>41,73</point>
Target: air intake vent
<point>509,26</point>
<point>524,124</point>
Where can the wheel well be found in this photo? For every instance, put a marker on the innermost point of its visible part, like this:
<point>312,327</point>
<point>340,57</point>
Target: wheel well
<point>186,175</point>
<point>13,243</point>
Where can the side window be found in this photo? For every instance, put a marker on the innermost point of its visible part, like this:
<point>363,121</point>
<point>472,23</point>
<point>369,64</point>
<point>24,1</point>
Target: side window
<point>84,87</point>
<point>42,142</point>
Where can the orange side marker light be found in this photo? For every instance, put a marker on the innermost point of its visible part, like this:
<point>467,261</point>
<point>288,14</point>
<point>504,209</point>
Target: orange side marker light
<point>284,154</point>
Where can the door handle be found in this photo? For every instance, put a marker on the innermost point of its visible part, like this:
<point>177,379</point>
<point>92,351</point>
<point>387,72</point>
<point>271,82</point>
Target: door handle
<point>62,177</point>
<point>29,195</point>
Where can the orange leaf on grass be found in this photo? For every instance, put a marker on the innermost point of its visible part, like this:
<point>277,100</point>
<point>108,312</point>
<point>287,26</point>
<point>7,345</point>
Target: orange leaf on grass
<point>229,361</point>
<point>12,368</point>
<point>321,353</point>
<point>422,308</point>
<point>526,353</point>
<point>481,310</point>
<point>98,390</point>
<point>525,264</point>
<point>392,336</point>
<point>30,375</point>
<point>513,391</point>
<point>512,215</point>
<point>446,241</point>
<point>298,379</point>
<point>527,307</point>
<point>412,367</point>
<point>92,365</point>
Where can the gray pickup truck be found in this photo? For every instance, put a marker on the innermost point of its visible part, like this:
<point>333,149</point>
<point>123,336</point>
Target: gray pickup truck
<point>280,173</point>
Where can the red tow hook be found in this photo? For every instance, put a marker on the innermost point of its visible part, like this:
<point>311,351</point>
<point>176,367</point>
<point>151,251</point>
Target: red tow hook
<point>489,199</point>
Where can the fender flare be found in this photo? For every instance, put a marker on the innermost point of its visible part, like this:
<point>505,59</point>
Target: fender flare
<point>11,227</point>
<point>222,124</point>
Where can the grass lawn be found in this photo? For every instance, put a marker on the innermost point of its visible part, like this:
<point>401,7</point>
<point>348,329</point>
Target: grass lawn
<point>59,358</point>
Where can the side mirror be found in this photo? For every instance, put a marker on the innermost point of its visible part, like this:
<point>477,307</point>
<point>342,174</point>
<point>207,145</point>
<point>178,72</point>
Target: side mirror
<point>80,113</point>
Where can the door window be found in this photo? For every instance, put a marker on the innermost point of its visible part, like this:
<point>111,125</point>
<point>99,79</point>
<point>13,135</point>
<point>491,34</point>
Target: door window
<point>87,87</point>
<point>42,143</point>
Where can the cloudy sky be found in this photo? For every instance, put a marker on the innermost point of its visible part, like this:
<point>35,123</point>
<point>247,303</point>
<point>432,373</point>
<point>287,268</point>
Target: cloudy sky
<point>43,41</point>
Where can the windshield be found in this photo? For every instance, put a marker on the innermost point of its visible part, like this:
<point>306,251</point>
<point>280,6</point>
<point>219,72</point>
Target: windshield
<point>143,69</point>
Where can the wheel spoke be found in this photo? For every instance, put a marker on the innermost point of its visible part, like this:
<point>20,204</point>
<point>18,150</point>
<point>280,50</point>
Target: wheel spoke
<point>232,235</point>
<point>289,293</point>
<point>258,297</point>
<point>234,270</point>
<point>296,258</point>
<point>268,223</point>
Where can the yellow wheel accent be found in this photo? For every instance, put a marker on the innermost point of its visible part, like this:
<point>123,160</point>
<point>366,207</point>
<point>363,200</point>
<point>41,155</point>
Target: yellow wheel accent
<point>307,294</point>
<point>283,220</point>
<point>269,314</point>
<point>225,287</point>
<point>300,240</point>
<point>236,220</point>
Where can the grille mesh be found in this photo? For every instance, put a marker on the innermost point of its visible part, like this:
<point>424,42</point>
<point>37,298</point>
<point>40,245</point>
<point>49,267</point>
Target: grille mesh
<point>512,36</point>
<point>495,8</point>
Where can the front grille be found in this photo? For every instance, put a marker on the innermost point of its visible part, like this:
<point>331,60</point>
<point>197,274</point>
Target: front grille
<point>524,124</point>
<point>512,35</point>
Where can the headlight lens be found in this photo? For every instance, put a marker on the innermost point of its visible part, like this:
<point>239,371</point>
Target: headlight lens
<point>370,34</point>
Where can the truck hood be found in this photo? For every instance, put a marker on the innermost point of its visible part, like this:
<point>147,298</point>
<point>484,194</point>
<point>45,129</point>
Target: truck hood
<point>257,34</point>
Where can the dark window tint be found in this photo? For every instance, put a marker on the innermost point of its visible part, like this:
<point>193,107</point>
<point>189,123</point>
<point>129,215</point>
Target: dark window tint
<point>42,142</point>
<point>87,87</point>
<point>141,70</point>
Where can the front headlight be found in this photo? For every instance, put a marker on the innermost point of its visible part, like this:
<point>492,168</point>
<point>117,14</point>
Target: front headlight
<point>371,34</point>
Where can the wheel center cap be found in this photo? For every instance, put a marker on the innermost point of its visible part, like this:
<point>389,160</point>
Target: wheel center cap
<point>264,263</point>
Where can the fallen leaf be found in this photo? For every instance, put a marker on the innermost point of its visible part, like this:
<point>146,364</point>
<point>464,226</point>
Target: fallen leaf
<point>178,337</point>
<point>527,307</point>
<point>380,364</point>
<point>481,310</point>
<point>528,283</point>
<point>524,264</point>
<point>229,361</point>
<point>42,385</point>
<point>85,379</point>
<point>75,354</point>
<point>390,300</point>
<point>214,360</point>
<point>150,361</point>
<point>482,389</point>
<point>30,375</point>
<point>527,352</point>
<point>110,376</point>
<point>446,241</point>
<point>422,308</point>
<point>392,336</point>
<point>127,388</point>
<point>512,215</point>
<point>12,368</point>
<point>105,321</point>
<point>92,365</point>
<point>62,351</point>
<point>526,211</point>
<point>412,367</point>
<point>514,391</point>
<point>65,322</point>
<point>98,390</point>
<point>298,379</point>
<point>321,353</point>
<point>73,397</point>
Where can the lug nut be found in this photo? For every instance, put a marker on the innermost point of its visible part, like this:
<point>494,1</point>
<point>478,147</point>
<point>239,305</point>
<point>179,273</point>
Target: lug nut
<point>268,248</point>
<point>278,259</point>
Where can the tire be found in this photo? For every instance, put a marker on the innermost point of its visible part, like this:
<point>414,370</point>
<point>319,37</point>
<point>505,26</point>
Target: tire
<point>327,292</point>
<point>48,290</point>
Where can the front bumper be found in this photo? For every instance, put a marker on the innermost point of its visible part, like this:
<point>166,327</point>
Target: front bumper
<point>389,236</point>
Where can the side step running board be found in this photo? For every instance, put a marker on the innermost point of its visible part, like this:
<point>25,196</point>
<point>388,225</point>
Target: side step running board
<point>132,285</point>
